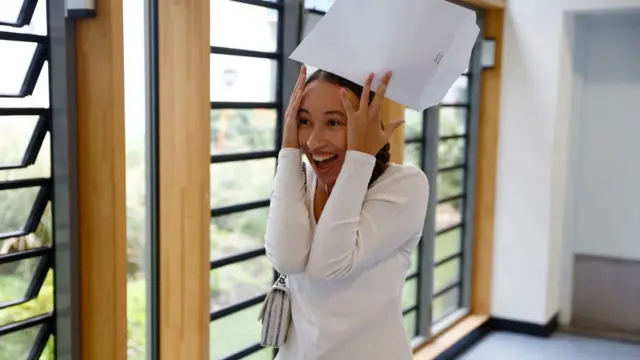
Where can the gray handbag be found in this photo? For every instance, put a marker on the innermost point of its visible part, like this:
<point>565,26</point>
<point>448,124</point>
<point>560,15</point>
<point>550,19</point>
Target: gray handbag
<point>275,314</point>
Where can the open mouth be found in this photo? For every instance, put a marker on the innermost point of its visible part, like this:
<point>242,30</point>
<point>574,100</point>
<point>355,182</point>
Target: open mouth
<point>324,163</point>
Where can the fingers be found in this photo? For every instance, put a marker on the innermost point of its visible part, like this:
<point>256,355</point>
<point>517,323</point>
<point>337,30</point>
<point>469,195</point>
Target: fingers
<point>364,97</point>
<point>391,127</point>
<point>380,94</point>
<point>348,108</point>
<point>298,89</point>
<point>302,77</point>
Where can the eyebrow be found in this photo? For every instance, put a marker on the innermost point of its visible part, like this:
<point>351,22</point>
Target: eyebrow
<point>335,112</point>
<point>330,112</point>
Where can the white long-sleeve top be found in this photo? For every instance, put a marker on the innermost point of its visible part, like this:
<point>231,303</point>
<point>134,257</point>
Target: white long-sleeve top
<point>346,274</point>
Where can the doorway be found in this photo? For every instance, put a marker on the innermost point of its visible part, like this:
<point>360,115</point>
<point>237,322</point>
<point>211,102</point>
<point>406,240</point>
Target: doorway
<point>604,176</point>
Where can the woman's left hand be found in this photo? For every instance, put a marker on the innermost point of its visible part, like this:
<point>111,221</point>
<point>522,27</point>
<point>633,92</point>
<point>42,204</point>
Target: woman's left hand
<point>364,126</point>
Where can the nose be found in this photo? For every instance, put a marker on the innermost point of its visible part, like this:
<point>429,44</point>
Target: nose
<point>316,140</point>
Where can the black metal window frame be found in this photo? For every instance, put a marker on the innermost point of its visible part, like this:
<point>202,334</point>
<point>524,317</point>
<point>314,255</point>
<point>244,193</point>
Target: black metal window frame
<point>58,190</point>
<point>292,16</point>
<point>44,253</point>
<point>288,15</point>
<point>429,142</point>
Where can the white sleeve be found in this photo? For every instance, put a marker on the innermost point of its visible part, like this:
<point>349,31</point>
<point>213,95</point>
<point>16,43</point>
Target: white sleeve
<point>288,233</point>
<point>353,232</point>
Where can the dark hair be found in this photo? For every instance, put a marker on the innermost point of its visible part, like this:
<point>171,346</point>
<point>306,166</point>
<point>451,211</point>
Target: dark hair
<point>384,155</point>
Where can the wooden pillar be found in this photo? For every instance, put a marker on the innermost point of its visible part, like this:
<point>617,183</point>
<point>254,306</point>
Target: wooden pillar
<point>485,4</point>
<point>183,138</point>
<point>391,111</point>
<point>486,171</point>
<point>101,183</point>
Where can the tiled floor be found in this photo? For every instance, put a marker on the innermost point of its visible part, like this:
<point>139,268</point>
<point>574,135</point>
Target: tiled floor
<point>561,346</point>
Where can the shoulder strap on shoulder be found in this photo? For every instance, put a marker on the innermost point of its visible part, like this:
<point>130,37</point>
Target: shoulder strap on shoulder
<point>304,174</point>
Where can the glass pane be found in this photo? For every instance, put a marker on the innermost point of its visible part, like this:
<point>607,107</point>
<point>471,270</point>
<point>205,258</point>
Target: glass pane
<point>241,181</point>
<point>42,304</point>
<point>242,130</point>
<point>414,261</point>
<point>41,168</point>
<point>447,244</point>
<point>137,312</point>
<point>43,235</point>
<point>10,11</point>
<point>15,277</point>
<point>446,303</point>
<point>451,152</point>
<point>249,27</point>
<point>412,154</point>
<point>450,183</point>
<point>16,205</point>
<point>242,79</point>
<point>16,132</point>
<point>49,350</point>
<point>412,124</point>
<point>446,274</point>
<point>135,112</point>
<point>240,281</point>
<point>410,293</point>
<point>239,232</point>
<point>40,96</point>
<point>452,121</point>
<point>321,5</point>
<point>410,321</point>
<point>235,332</point>
<point>17,345</point>
<point>448,214</point>
<point>13,69</point>
<point>458,93</point>
<point>264,354</point>
<point>309,22</point>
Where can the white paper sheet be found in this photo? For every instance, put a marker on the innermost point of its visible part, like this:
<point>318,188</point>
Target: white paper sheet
<point>427,45</point>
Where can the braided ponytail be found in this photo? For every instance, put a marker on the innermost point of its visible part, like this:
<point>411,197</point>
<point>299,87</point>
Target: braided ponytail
<point>382,162</point>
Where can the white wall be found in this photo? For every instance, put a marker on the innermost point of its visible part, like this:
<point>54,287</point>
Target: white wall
<point>604,141</point>
<point>532,155</point>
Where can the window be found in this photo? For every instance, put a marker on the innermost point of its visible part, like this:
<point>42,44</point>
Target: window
<point>249,66</point>
<point>246,113</point>
<point>26,188</point>
<point>442,141</point>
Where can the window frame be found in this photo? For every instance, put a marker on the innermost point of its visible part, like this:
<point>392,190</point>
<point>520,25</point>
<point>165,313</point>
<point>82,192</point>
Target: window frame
<point>429,141</point>
<point>58,190</point>
<point>292,16</point>
<point>286,72</point>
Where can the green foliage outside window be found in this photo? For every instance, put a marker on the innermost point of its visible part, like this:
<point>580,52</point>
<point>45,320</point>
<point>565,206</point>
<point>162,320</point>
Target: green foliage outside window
<point>240,130</point>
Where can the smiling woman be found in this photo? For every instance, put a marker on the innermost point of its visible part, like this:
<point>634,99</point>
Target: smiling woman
<point>322,132</point>
<point>349,230</point>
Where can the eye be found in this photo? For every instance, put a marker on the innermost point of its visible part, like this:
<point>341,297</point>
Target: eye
<point>303,121</point>
<point>333,123</point>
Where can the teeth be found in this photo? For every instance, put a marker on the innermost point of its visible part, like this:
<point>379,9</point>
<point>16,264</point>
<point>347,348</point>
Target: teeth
<point>323,157</point>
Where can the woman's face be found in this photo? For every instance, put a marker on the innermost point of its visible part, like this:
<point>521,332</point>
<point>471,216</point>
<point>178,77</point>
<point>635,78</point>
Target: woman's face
<point>322,129</point>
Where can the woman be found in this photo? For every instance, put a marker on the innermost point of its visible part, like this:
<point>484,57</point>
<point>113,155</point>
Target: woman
<point>345,235</point>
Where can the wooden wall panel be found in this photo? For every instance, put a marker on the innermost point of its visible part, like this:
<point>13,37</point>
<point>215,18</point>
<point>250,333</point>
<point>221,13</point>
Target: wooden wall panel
<point>101,183</point>
<point>486,4</point>
<point>393,111</point>
<point>184,136</point>
<point>486,173</point>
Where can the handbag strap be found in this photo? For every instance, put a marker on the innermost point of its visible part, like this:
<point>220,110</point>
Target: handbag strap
<point>304,173</point>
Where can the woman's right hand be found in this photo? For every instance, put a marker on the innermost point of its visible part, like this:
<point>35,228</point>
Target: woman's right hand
<point>290,136</point>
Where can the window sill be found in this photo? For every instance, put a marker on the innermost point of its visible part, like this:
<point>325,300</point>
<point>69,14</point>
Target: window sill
<point>433,348</point>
